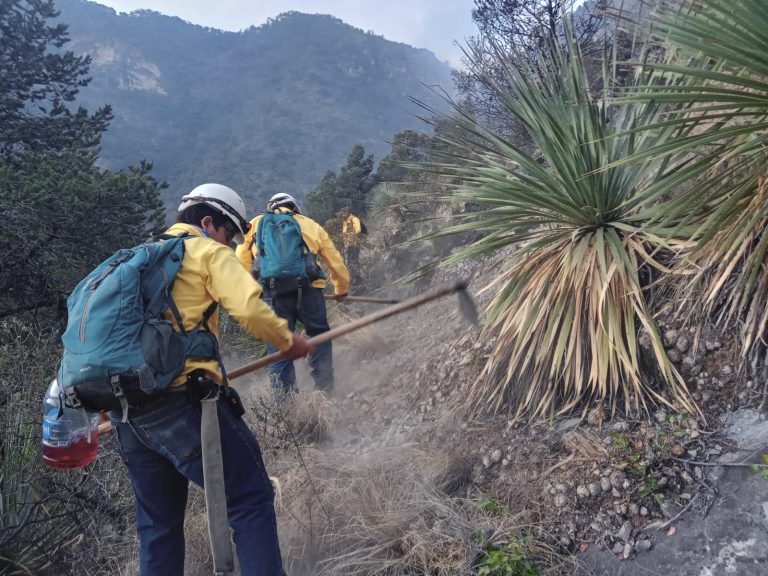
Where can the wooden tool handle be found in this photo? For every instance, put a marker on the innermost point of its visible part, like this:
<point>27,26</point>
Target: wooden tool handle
<point>106,427</point>
<point>370,299</point>
<point>352,326</point>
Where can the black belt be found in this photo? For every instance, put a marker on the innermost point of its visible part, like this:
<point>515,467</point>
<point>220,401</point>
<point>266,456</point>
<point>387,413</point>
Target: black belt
<point>283,286</point>
<point>100,393</point>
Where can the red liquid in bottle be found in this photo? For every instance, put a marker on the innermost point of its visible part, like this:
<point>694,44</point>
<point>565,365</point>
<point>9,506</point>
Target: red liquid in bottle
<point>76,454</point>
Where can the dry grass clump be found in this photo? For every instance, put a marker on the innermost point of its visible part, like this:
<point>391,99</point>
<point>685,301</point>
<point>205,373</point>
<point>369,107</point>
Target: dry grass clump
<point>309,416</point>
<point>386,512</point>
<point>293,421</point>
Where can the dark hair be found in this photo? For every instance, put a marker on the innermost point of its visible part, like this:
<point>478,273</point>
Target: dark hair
<point>195,213</point>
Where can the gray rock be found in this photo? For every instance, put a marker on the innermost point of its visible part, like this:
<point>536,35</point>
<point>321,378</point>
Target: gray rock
<point>560,500</point>
<point>625,532</point>
<point>605,484</point>
<point>617,479</point>
<point>582,491</point>
<point>496,456</point>
<point>660,415</point>
<point>748,428</point>
<point>674,355</point>
<point>618,548</point>
<point>668,509</point>
<point>670,337</point>
<point>765,514</point>
<point>627,550</point>
<point>594,488</point>
<point>683,344</point>
<point>620,426</point>
<point>643,545</point>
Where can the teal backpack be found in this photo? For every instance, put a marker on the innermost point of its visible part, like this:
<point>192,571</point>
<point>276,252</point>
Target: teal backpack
<point>117,333</point>
<point>285,261</point>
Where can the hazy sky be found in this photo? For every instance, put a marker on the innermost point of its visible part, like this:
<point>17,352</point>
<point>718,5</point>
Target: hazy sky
<point>432,24</point>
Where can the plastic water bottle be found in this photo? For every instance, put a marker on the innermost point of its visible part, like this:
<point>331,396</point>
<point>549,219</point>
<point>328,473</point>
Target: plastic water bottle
<point>70,439</point>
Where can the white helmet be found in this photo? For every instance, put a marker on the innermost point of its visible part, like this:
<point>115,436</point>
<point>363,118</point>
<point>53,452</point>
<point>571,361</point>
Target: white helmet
<point>282,199</point>
<point>224,200</point>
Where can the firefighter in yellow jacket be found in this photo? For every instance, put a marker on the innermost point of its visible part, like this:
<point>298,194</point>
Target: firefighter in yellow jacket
<point>297,296</point>
<point>160,442</point>
<point>352,231</point>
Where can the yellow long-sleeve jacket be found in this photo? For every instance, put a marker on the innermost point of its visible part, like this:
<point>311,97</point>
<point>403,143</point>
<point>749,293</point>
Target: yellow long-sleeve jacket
<point>317,241</point>
<point>210,272</point>
<point>351,231</point>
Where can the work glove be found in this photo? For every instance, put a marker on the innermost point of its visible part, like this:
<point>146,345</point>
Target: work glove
<point>299,348</point>
<point>340,297</point>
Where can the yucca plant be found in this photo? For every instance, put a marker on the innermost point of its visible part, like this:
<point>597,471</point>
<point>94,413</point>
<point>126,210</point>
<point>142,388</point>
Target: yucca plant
<point>572,299</point>
<point>715,83</point>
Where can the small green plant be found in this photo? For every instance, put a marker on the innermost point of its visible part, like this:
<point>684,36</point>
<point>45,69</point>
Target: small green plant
<point>650,485</point>
<point>508,559</point>
<point>761,469</point>
<point>620,440</point>
<point>493,506</point>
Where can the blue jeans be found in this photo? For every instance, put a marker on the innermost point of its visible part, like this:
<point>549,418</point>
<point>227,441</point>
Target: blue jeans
<point>160,446</point>
<point>310,312</point>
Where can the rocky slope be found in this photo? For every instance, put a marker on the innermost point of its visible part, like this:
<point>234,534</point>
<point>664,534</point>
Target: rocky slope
<point>625,496</point>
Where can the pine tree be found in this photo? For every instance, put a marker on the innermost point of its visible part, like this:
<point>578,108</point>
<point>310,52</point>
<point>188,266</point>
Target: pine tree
<point>356,180</point>
<point>61,213</point>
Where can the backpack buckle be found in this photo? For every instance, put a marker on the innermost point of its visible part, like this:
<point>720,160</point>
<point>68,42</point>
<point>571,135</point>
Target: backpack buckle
<point>71,397</point>
<point>117,390</point>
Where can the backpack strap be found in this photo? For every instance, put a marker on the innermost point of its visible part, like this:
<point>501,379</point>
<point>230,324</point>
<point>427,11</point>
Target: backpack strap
<point>206,316</point>
<point>258,236</point>
<point>171,302</point>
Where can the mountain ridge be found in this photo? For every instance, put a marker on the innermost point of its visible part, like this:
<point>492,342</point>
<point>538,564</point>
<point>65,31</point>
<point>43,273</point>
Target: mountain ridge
<point>266,109</point>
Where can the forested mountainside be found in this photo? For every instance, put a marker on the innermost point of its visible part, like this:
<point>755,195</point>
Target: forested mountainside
<point>267,109</point>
